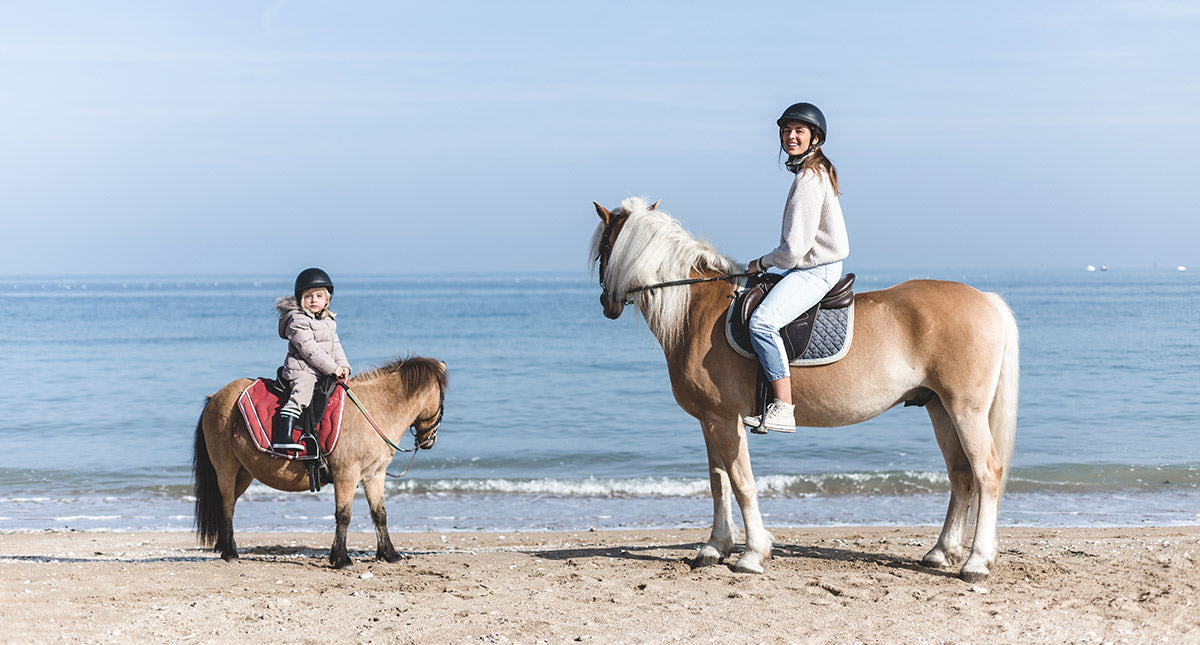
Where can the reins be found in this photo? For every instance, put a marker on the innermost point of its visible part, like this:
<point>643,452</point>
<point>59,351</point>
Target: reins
<point>379,431</point>
<point>678,283</point>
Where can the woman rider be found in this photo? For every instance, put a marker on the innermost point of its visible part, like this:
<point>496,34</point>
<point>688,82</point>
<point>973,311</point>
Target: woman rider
<point>810,252</point>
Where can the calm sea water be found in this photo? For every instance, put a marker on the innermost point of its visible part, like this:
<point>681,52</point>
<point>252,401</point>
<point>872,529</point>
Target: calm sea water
<point>558,418</point>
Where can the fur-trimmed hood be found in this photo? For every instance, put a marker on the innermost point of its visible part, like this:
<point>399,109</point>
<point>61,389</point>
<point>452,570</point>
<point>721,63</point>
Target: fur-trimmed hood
<point>288,304</point>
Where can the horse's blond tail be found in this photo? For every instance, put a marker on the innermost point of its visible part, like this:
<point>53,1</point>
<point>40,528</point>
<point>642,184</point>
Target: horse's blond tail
<point>1002,418</point>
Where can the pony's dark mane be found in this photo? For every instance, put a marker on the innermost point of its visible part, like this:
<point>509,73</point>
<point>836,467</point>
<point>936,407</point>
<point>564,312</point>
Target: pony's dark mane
<point>414,371</point>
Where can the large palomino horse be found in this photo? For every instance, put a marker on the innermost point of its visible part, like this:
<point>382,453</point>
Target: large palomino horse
<point>920,339</point>
<point>404,393</point>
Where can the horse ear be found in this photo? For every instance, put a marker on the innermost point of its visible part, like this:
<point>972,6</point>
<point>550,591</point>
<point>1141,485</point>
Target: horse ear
<point>605,216</point>
<point>655,205</point>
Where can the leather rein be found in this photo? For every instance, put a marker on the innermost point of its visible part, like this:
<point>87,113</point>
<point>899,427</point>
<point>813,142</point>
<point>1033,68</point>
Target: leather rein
<point>677,283</point>
<point>437,422</point>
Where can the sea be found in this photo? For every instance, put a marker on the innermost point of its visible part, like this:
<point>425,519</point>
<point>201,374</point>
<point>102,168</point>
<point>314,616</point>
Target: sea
<point>560,419</point>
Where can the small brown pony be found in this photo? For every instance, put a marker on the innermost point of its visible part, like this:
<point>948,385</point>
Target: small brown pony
<point>404,393</point>
<point>944,341</point>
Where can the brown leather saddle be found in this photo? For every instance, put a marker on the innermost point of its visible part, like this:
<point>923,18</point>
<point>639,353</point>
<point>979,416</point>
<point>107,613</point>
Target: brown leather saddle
<point>798,333</point>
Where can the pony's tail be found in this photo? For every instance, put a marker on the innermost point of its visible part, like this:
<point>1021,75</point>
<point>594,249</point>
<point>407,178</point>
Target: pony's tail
<point>209,507</point>
<point>1002,418</point>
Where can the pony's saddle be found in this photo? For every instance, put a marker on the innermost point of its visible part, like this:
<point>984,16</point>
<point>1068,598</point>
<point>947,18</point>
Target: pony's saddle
<point>317,429</point>
<point>819,336</point>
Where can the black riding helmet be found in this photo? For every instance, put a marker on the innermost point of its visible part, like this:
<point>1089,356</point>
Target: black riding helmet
<point>809,114</point>
<point>312,279</point>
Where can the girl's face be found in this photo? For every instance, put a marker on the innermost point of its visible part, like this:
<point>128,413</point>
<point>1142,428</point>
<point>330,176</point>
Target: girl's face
<point>315,300</point>
<point>795,137</point>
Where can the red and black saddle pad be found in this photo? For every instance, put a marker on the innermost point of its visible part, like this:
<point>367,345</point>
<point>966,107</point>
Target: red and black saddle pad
<point>260,403</point>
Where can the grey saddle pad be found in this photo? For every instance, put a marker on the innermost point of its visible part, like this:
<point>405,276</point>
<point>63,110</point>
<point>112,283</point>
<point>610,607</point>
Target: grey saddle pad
<point>819,336</point>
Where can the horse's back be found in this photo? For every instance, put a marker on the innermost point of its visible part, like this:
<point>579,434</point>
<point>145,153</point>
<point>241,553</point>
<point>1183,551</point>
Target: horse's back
<point>921,304</point>
<point>950,331</point>
<point>220,413</point>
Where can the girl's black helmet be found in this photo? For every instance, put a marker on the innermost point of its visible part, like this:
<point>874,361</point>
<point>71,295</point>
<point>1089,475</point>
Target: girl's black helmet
<point>806,113</point>
<point>311,279</point>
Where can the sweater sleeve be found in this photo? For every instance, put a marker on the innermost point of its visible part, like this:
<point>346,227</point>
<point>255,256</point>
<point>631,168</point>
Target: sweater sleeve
<point>339,355</point>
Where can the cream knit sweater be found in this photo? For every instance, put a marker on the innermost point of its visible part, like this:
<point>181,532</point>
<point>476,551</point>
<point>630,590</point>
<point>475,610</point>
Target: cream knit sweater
<point>814,232</point>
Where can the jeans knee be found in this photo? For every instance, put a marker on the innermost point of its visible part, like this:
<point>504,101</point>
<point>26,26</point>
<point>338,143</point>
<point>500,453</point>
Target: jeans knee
<point>758,326</point>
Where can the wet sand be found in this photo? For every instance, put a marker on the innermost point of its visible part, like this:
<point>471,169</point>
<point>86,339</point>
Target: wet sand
<point>824,585</point>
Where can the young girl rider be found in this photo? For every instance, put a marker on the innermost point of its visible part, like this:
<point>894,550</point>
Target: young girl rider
<point>810,252</point>
<point>313,348</point>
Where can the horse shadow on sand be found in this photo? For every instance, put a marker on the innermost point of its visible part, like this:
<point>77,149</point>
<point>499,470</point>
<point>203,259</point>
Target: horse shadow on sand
<point>818,557</point>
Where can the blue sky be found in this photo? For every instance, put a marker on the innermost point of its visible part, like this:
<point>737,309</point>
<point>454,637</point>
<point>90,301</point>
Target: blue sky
<point>262,137</point>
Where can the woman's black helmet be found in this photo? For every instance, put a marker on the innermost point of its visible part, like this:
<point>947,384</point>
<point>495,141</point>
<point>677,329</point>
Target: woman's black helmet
<point>311,279</point>
<point>809,114</point>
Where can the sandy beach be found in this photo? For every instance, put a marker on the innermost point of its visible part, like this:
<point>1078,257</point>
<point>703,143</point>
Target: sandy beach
<point>824,585</point>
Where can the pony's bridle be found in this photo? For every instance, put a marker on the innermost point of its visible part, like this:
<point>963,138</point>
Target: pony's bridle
<point>431,436</point>
<point>436,419</point>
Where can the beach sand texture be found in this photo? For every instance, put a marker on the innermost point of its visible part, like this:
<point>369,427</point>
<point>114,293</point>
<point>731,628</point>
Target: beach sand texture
<point>824,585</point>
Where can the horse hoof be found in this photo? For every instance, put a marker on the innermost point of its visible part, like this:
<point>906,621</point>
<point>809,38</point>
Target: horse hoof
<point>935,559</point>
<point>389,557</point>
<point>707,556</point>
<point>973,575</point>
<point>341,563</point>
<point>748,563</point>
<point>231,556</point>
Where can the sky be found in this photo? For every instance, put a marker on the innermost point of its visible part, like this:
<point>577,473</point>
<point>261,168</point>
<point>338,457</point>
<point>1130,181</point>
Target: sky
<point>141,137</point>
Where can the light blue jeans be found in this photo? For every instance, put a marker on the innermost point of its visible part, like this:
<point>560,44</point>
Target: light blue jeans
<point>795,294</point>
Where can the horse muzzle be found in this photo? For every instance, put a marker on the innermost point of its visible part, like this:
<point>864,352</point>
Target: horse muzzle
<point>612,308</point>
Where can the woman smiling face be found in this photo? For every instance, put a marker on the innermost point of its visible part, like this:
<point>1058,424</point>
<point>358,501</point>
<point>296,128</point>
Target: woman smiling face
<point>795,137</point>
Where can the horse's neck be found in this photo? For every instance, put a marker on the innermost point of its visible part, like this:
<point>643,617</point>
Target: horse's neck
<point>706,305</point>
<point>382,398</point>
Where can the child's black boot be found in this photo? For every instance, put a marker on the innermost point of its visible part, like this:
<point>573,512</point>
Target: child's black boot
<point>283,433</point>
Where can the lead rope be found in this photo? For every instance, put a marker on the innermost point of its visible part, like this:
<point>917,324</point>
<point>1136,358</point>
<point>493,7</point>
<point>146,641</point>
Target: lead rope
<point>383,436</point>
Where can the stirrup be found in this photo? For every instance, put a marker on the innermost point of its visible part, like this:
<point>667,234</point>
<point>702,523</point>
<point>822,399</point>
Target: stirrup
<point>754,424</point>
<point>279,447</point>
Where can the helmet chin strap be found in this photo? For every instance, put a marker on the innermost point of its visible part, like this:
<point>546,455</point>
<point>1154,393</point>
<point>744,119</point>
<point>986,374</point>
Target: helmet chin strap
<point>794,163</point>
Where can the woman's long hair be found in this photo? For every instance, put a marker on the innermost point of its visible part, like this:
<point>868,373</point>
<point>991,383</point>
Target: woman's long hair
<point>818,162</point>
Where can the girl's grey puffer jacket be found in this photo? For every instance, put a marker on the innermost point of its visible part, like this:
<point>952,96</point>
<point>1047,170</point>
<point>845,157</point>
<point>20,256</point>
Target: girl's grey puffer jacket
<point>313,345</point>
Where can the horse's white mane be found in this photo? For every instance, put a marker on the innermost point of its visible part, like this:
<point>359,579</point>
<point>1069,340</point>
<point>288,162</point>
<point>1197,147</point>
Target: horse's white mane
<point>653,247</point>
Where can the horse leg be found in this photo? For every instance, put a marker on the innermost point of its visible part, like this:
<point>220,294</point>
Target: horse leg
<point>987,474</point>
<point>343,495</point>
<point>232,488</point>
<point>373,488</point>
<point>730,442</point>
<point>949,548</point>
<point>720,540</point>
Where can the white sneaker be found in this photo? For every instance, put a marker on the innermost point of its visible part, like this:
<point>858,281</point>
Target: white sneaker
<point>780,417</point>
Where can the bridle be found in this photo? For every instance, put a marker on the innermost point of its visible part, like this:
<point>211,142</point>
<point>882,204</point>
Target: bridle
<point>606,249</point>
<point>436,419</point>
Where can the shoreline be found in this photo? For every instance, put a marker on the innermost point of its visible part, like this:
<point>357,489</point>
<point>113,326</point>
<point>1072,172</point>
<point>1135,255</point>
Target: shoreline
<point>842,584</point>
